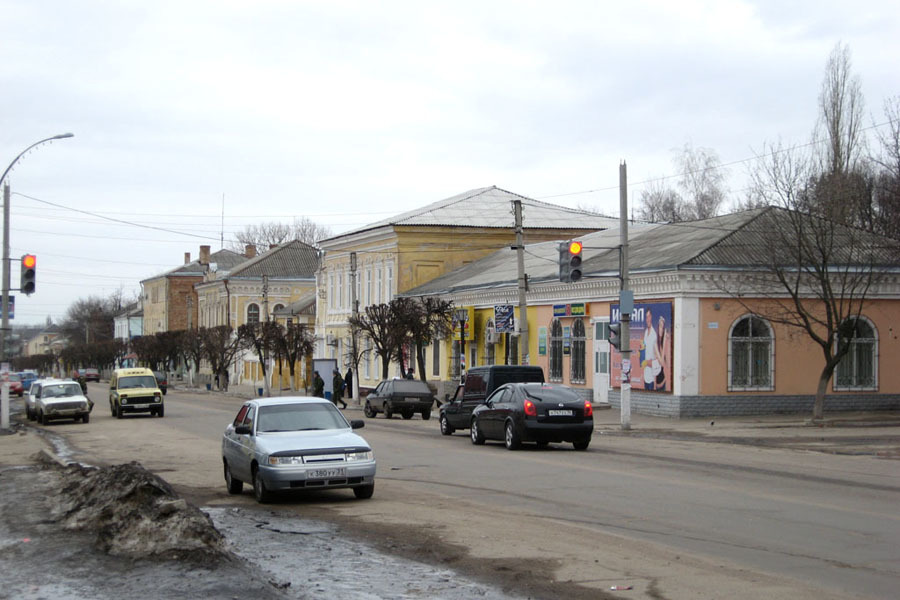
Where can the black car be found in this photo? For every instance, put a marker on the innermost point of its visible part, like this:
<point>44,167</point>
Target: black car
<point>404,396</point>
<point>162,381</point>
<point>534,412</point>
<point>481,383</point>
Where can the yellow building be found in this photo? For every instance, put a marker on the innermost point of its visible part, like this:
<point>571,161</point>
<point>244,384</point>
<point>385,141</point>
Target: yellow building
<point>256,290</point>
<point>412,248</point>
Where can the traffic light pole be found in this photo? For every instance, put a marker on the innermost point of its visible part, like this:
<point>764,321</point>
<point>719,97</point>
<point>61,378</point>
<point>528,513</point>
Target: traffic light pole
<point>624,316</point>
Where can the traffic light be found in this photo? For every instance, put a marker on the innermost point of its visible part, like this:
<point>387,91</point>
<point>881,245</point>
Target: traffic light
<point>27,274</point>
<point>569,261</point>
<point>615,335</point>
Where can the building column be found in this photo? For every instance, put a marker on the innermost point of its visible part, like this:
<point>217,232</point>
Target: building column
<point>686,358</point>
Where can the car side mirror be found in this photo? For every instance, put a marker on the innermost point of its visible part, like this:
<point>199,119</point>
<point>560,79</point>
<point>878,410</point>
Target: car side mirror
<point>357,424</point>
<point>242,430</point>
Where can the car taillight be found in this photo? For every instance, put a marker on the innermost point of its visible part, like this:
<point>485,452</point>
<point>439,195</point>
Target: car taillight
<point>588,409</point>
<point>530,408</point>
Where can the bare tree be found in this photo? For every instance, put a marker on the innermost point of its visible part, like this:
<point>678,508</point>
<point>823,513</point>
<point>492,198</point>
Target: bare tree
<point>379,323</point>
<point>841,107</point>
<point>661,204</point>
<point>702,189</point>
<point>886,201</point>
<point>297,341</point>
<point>268,235</point>
<point>423,320</point>
<point>220,346</point>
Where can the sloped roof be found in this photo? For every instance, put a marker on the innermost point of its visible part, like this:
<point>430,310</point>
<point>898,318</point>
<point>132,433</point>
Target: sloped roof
<point>225,260</point>
<point>293,260</point>
<point>306,305</point>
<point>491,207</point>
<point>736,240</point>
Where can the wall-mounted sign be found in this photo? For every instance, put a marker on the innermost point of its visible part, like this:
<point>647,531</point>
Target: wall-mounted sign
<point>504,318</point>
<point>569,310</point>
<point>542,341</point>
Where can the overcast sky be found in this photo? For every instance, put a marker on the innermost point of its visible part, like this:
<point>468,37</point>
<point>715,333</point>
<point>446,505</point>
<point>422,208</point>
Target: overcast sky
<point>349,112</point>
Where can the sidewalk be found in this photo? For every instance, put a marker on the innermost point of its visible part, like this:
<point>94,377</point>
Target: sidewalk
<point>858,433</point>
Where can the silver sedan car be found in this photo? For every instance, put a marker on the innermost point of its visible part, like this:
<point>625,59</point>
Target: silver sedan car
<point>295,443</point>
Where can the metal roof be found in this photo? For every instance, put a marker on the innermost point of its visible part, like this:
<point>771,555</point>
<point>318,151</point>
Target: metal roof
<point>293,260</point>
<point>491,207</point>
<point>223,259</point>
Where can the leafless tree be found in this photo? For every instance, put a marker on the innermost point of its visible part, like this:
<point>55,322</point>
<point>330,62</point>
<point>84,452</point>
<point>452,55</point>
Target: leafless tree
<point>701,189</point>
<point>422,320</point>
<point>268,235</point>
<point>661,204</point>
<point>886,204</point>
<point>841,107</point>
<point>379,323</point>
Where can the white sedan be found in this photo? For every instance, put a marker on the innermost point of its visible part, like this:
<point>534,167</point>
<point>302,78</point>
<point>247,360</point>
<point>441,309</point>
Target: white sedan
<point>295,443</point>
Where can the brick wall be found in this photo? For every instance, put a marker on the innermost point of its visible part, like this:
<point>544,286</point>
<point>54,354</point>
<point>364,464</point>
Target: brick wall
<point>180,289</point>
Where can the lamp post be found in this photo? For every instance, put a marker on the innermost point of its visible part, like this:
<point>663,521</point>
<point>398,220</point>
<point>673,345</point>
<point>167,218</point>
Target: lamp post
<point>4,392</point>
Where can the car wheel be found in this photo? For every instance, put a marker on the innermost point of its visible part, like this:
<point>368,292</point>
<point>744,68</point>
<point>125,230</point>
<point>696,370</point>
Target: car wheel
<point>118,412</point>
<point>364,492</point>
<point>28,414</point>
<point>446,428</point>
<point>43,418</point>
<point>407,415</point>
<point>512,439</point>
<point>426,414</point>
<point>368,410</point>
<point>164,391</point>
<point>86,418</point>
<point>477,436</point>
<point>388,413</point>
<point>161,412</point>
<point>235,486</point>
<point>262,495</point>
<point>582,444</point>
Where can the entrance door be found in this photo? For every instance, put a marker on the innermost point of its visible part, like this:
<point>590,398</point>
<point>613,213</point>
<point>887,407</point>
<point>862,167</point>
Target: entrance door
<point>601,361</point>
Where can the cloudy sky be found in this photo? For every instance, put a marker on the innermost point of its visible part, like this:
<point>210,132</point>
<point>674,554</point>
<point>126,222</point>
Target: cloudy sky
<point>193,119</point>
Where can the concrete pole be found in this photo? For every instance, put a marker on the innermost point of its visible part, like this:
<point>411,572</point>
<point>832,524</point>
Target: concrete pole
<point>625,318</point>
<point>4,392</point>
<point>354,304</point>
<point>523,302</point>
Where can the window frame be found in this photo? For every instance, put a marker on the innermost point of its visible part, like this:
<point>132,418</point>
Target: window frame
<point>578,353</point>
<point>852,354</point>
<point>732,339</point>
<point>555,352</point>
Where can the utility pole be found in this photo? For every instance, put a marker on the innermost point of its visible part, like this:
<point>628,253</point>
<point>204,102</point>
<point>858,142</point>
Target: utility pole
<point>4,392</point>
<point>523,303</point>
<point>354,305</point>
<point>624,303</point>
<point>265,330</point>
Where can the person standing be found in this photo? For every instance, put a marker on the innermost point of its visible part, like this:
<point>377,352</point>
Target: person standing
<point>348,382</point>
<point>337,386</point>
<point>318,385</point>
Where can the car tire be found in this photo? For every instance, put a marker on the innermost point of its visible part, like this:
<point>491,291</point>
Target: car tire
<point>161,412</point>
<point>511,438</point>
<point>388,413</point>
<point>164,391</point>
<point>426,415</point>
<point>262,495</point>
<point>42,418</point>
<point>86,418</point>
<point>364,492</point>
<point>235,486</point>
<point>446,428</point>
<point>118,412</point>
<point>475,433</point>
<point>369,411</point>
<point>582,444</point>
<point>407,415</point>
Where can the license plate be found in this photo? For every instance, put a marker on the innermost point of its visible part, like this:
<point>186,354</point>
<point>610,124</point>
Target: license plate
<point>412,399</point>
<point>137,405</point>
<point>559,413</point>
<point>325,473</point>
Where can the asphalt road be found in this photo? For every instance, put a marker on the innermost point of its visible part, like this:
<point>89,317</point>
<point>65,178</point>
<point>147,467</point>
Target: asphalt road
<point>671,518</point>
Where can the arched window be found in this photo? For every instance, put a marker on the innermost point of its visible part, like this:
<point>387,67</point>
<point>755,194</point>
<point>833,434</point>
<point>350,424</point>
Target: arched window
<point>253,313</point>
<point>578,352</point>
<point>556,350</point>
<point>750,355</point>
<point>858,368</point>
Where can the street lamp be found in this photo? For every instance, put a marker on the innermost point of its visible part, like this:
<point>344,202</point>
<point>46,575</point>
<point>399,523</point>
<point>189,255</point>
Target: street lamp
<point>4,392</point>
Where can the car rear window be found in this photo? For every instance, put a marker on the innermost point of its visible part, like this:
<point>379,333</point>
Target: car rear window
<point>546,393</point>
<point>411,386</point>
<point>14,377</point>
<point>530,375</point>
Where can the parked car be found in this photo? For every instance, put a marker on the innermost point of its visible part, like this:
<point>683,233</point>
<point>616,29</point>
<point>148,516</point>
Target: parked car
<point>162,381</point>
<point>34,390</point>
<point>295,443</point>
<point>404,396</point>
<point>134,390</point>
<point>15,385</point>
<point>62,399</point>
<point>91,374</point>
<point>534,412</point>
<point>481,383</point>
<point>27,378</point>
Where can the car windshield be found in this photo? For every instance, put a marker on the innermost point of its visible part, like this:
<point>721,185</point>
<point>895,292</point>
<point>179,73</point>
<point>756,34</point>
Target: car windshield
<point>546,393</point>
<point>139,381</point>
<point>410,386</point>
<point>299,417</point>
<point>61,390</point>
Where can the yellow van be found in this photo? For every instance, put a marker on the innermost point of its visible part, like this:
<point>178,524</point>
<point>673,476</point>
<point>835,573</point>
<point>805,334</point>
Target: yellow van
<point>134,390</point>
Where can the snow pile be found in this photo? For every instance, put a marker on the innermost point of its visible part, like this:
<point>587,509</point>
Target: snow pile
<point>136,514</point>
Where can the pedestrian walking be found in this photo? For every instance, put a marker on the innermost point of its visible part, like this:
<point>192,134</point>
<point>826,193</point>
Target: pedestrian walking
<point>337,385</point>
<point>348,382</point>
<point>318,385</point>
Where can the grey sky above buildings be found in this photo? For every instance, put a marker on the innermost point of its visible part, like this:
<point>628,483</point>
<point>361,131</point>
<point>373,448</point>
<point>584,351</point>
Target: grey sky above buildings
<point>350,112</point>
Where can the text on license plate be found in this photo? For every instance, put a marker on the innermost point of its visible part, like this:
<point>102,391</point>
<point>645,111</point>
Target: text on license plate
<point>559,413</point>
<point>325,473</point>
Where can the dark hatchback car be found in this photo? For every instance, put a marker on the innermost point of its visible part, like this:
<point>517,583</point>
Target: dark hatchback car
<point>162,381</point>
<point>481,383</point>
<point>534,412</point>
<point>404,396</point>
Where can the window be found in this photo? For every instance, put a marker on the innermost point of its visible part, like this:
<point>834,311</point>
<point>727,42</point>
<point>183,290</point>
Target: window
<point>367,361</point>
<point>368,287</point>
<point>253,313</point>
<point>556,351</point>
<point>857,370</point>
<point>578,352</point>
<point>331,290</point>
<point>751,354</point>
<point>378,287</point>
<point>389,293</point>
<point>489,345</point>
<point>436,358</point>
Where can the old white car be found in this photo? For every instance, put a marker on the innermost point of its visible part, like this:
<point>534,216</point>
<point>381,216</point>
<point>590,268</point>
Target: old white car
<point>295,443</point>
<point>61,399</point>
